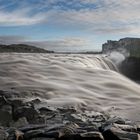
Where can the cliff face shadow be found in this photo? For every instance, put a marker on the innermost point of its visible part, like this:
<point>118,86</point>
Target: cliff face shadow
<point>131,68</point>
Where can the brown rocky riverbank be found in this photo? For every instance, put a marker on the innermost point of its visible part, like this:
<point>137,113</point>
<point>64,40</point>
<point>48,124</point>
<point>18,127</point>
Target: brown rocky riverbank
<point>27,120</point>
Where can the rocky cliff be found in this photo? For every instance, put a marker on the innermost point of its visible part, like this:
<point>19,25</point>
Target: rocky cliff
<point>130,66</point>
<point>132,45</point>
<point>22,48</point>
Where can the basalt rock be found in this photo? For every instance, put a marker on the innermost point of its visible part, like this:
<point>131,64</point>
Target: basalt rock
<point>131,45</point>
<point>21,120</point>
<point>118,134</point>
<point>92,135</point>
<point>5,115</point>
<point>43,138</point>
<point>25,111</point>
<point>131,68</point>
<point>3,134</point>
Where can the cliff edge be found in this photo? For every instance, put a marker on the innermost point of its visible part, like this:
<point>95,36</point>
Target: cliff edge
<point>130,66</point>
<point>131,45</point>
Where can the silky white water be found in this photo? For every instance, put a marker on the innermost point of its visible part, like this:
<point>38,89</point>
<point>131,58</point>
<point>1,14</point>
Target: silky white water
<point>82,81</point>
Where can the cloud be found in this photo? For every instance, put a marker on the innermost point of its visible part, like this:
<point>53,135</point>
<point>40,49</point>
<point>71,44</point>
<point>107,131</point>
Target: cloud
<point>96,16</point>
<point>19,17</point>
<point>108,15</point>
<point>64,44</point>
<point>12,39</point>
<point>25,12</point>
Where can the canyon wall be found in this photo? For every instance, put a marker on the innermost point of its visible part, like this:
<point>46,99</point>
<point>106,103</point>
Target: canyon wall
<point>130,66</point>
<point>131,45</point>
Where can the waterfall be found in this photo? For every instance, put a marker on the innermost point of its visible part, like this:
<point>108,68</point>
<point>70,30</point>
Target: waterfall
<point>71,80</point>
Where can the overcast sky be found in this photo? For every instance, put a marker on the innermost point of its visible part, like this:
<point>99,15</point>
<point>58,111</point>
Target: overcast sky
<point>59,24</point>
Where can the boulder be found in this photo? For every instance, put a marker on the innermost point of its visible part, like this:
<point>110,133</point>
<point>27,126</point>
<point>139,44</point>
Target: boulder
<point>42,138</point>
<point>118,134</point>
<point>3,134</point>
<point>25,111</point>
<point>6,115</point>
<point>92,135</point>
<point>21,122</point>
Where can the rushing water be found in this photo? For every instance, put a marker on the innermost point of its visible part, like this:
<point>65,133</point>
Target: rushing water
<point>82,81</point>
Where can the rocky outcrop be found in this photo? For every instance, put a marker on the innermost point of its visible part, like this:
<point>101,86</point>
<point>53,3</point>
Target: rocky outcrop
<point>132,45</point>
<point>130,49</point>
<point>26,122</point>
<point>131,68</point>
<point>22,48</point>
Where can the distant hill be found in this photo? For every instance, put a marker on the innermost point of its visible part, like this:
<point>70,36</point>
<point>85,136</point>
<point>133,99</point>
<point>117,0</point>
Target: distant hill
<point>22,48</point>
<point>132,45</point>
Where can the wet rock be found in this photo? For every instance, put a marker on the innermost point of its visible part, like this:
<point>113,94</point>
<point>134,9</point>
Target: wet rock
<point>11,131</point>
<point>3,101</point>
<point>93,116</point>
<point>72,137</point>
<point>9,94</point>
<point>33,134</point>
<point>47,110</point>
<point>3,134</point>
<point>68,130</point>
<point>51,134</point>
<point>16,102</point>
<point>54,119</point>
<point>138,128</point>
<point>33,120</point>
<point>86,118</point>
<point>92,135</point>
<point>32,127</point>
<point>25,111</point>
<point>39,119</point>
<point>5,115</point>
<point>77,118</point>
<point>5,94</point>
<point>21,122</point>
<point>67,110</point>
<point>40,133</point>
<point>116,120</point>
<point>35,101</point>
<point>19,135</point>
<point>128,128</point>
<point>131,67</point>
<point>42,138</point>
<point>118,134</point>
<point>109,123</point>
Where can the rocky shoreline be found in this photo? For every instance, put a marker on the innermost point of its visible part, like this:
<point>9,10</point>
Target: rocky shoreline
<point>26,120</point>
